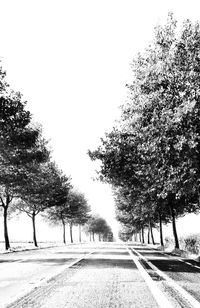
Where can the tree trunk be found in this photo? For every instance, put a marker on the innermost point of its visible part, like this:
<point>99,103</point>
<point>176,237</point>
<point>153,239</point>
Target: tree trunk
<point>148,236</point>
<point>90,236</point>
<point>174,226</point>
<point>79,233</point>
<point>70,229</point>
<point>142,235</point>
<point>152,237</point>
<point>64,237</point>
<point>161,231</point>
<point>99,237</point>
<point>34,231</point>
<point>6,237</point>
<point>93,236</point>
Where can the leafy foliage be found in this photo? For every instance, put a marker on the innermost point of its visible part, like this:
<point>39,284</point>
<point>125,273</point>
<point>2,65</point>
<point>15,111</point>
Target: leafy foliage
<point>152,157</point>
<point>74,210</point>
<point>29,181</point>
<point>98,225</point>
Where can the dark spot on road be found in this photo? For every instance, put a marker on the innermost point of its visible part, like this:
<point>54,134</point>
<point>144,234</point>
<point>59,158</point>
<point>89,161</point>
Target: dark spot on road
<point>124,253</point>
<point>108,263</point>
<point>143,248</point>
<point>155,276</point>
<point>72,252</point>
<point>149,253</point>
<point>52,261</point>
<point>145,264</point>
<point>9,261</point>
<point>174,266</point>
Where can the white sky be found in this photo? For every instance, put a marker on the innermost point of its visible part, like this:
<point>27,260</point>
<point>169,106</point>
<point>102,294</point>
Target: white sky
<point>71,60</point>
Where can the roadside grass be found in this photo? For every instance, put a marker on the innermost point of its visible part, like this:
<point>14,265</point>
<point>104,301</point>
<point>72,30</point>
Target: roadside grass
<point>189,245</point>
<point>26,245</point>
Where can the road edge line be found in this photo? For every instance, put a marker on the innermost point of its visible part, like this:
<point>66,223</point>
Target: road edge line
<point>191,300</point>
<point>158,295</point>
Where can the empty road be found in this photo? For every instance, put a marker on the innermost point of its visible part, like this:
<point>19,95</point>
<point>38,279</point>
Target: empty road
<point>98,275</point>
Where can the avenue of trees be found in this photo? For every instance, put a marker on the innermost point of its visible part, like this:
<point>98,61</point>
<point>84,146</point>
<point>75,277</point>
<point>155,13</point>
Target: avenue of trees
<point>75,211</point>
<point>30,181</point>
<point>152,156</point>
<point>98,225</point>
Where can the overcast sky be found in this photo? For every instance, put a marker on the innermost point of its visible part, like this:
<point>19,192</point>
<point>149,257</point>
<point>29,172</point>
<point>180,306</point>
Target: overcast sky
<point>71,61</point>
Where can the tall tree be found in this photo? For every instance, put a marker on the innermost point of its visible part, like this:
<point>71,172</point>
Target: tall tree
<point>98,225</point>
<point>155,149</point>
<point>75,210</point>
<point>47,188</point>
<point>17,149</point>
<point>82,214</point>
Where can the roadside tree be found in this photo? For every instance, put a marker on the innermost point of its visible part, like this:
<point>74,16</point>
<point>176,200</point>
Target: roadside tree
<point>18,149</point>
<point>156,147</point>
<point>74,211</point>
<point>98,225</point>
<point>47,187</point>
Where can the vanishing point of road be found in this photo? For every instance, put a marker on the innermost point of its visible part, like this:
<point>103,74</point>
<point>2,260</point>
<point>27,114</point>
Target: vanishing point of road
<point>98,275</point>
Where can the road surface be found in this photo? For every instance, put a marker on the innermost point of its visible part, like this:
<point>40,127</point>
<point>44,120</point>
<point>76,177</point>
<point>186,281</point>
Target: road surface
<point>98,275</point>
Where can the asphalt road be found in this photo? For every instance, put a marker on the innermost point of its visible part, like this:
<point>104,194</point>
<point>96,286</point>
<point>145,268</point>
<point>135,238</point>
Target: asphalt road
<point>184,273</point>
<point>98,275</point>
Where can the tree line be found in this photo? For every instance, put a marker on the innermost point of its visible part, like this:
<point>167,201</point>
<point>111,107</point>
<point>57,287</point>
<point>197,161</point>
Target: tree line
<point>152,155</point>
<point>30,181</point>
<point>97,225</point>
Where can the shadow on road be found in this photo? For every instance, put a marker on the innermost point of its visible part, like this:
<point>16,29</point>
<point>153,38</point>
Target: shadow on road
<point>108,263</point>
<point>174,266</point>
<point>115,253</point>
<point>71,252</point>
<point>52,261</point>
<point>9,261</point>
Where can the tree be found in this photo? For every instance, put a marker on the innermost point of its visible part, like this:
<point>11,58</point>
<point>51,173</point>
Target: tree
<point>57,216</point>
<point>47,188</point>
<point>82,214</point>
<point>155,149</point>
<point>166,81</point>
<point>98,225</point>
<point>17,148</point>
<point>75,210</point>
<point>125,233</point>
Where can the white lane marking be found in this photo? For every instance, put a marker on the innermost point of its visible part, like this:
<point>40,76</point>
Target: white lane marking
<point>189,298</point>
<point>182,260</point>
<point>188,263</point>
<point>157,293</point>
<point>43,280</point>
